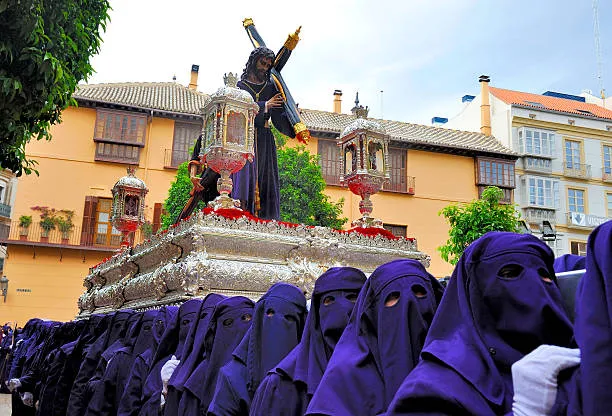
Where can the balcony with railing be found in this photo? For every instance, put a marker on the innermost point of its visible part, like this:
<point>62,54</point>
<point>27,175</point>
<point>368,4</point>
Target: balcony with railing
<point>606,175</point>
<point>75,238</point>
<point>535,215</point>
<point>406,186</point>
<point>173,158</point>
<point>537,164</point>
<point>5,210</point>
<point>577,170</point>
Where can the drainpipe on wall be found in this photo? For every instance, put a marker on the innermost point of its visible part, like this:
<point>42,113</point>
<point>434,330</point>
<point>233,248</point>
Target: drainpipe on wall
<point>485,107</point>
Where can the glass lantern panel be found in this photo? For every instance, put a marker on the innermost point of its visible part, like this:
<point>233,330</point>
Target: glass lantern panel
<point>350,159</point>
<point>374,161</point>
<point>209,130</point>
<point>236,128</point>
<point>131,205</point>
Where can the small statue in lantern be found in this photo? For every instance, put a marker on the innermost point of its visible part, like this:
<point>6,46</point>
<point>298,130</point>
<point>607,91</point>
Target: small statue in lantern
<point>228,136</point>
<point>364,159</point>
<point>128,205</point>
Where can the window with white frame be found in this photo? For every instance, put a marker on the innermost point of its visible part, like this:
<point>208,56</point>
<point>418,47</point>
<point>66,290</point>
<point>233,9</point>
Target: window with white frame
<point>542,192</point>
<point>575,200</point>
<point>572,154</point>
<point>609,204</point>
<point>607,159</point>
<point>536,142</point>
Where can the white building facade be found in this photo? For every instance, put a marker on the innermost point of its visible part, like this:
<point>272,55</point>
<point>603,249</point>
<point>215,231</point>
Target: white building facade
<point>564,174</point>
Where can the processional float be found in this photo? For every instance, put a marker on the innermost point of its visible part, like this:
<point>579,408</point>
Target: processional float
<point>225,250</point>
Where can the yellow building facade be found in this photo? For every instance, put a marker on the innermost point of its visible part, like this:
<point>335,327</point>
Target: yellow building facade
<point>152,126</point>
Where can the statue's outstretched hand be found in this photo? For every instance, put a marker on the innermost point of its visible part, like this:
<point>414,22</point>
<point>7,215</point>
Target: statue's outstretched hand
<point>275,102</point>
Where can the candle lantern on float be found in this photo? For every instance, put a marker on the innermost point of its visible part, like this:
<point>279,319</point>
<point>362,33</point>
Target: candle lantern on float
<point>228,136</point>
<point>364,161</point>
<point>128,205</point>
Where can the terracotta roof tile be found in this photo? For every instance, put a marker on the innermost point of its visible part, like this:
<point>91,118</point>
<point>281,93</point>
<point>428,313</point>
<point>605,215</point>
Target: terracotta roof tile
<point>165,96</point>
<point>418,134</point>
<point>175,98</point>
<point>544,102</point>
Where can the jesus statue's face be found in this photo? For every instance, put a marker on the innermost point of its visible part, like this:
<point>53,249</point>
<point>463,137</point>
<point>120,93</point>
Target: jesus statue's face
<point>262,67</point>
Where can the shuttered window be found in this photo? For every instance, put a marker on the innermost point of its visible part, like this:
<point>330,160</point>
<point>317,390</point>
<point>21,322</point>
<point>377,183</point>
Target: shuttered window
<point>119,136</point>
<point>397,171</point>
<point>329,159</point>
<point>185,136</point>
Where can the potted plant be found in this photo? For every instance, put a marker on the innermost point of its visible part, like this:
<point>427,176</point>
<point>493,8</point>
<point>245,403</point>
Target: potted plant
<point>24,226</point>
<point>47,224</point>
<point>65,226</point>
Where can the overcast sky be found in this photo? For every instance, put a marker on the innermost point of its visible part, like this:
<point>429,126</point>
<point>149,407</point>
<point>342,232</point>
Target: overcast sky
<point>424,54</point>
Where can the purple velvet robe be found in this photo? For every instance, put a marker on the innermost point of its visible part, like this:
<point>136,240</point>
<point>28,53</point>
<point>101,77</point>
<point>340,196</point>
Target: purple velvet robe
<point>569,262</point>
<point>264,169</point>
<point>171,343</point>
<point>229,322</point>
<point>594,325</point>
<point>287,389</point>
<point>77,404</point>
<point>371,360</point>
<point>278,322</point>
<point>193,351</point>
<point>130,402</point>
<point>496,308</point>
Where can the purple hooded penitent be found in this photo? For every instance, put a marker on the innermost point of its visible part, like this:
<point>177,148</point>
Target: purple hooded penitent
<point>97,402</point>
<point>77,404</point>
<point>569,262</point>
<point>594,324</point>
<point>130,402</point>
<point>171,343</point>
<point>105,400</point>
<point>276,328</point>
<point>500,304</point>
<point>381,343</point>
<point>287,389</point>
<point>230,321</point>
<point>193,351</point>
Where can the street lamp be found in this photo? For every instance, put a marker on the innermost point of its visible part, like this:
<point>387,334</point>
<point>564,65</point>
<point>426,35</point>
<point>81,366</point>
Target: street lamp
<point>548,232</point>
<point>4,286</point>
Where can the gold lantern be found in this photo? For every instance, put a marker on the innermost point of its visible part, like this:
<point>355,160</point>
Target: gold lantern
<point>364,158</point>
<point>128,205</point>
<point>228,136</point>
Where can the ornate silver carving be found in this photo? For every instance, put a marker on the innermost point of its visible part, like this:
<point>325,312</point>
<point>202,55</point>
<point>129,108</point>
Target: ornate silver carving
<point>230,256</point>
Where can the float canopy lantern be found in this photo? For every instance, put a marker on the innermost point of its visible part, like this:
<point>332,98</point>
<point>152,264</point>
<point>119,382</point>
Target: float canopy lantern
<point>128,205</point>
<point>364,161</point>
<point>228,136</point>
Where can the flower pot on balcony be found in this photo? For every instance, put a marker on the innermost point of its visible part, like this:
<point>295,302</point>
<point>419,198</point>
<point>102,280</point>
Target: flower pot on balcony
<point>65,237</point>
<point>23,233</point>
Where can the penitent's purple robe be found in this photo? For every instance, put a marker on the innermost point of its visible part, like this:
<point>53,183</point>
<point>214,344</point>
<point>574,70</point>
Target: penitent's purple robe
<point>265,165</point>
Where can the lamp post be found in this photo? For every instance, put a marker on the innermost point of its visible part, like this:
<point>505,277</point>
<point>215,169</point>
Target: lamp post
<point>128,205</point>
<point>364,163</point>
<point>228,136</point>
<point>4,286</point>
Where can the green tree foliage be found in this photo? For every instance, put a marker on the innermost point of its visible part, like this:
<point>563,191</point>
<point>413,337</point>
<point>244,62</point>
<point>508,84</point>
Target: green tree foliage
<point>45,47</point>
<point>178,195</point>
<point>470,221</point>
<point>301,189</point>
<point>302,200</point>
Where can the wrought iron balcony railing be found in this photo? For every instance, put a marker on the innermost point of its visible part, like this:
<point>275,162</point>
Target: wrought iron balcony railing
<point>74,237</point>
